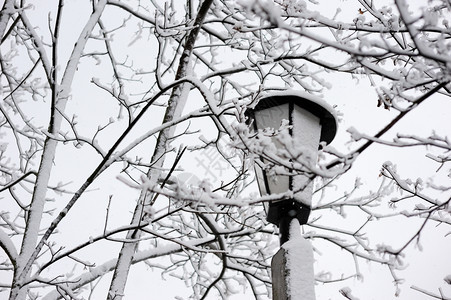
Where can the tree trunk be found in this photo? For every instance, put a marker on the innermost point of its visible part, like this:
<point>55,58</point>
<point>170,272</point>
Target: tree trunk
<point>175,106</point>
<point>30,248</point>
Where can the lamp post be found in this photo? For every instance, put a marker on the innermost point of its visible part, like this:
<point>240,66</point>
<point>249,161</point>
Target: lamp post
<point>310,121</point>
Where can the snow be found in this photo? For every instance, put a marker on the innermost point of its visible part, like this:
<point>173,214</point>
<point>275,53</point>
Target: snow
<point>29,248</point>
<point>299,255</point>
<point>355,134</point>
<point>264,9</point>
<point>8,246</point>
<point>305,95</point>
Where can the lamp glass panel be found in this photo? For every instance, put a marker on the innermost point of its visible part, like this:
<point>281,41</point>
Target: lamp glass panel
<point>306,137</point>
<point>261,180</point>
<point>272,118</point>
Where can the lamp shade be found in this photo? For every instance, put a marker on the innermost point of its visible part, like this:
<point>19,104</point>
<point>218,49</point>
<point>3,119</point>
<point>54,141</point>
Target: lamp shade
<point>311,121</point>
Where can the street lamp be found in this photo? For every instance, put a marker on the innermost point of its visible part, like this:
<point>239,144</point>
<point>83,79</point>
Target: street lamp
<point>310,121</point>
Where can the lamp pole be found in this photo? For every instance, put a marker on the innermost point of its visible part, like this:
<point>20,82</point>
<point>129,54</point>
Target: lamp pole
<point>311,121</point>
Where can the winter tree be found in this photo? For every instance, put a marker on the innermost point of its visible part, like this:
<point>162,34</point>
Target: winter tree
<point>125,150</point>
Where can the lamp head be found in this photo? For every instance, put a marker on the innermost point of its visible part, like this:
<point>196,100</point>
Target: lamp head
<point>311,121</point>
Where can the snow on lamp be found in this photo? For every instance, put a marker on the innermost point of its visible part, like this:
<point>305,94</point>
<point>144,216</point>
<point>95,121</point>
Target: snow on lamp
<point>311,121</point>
